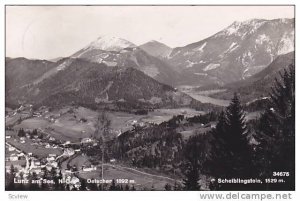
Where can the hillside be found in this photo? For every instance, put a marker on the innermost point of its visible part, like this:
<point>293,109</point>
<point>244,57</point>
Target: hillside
<point>258,85</point>
<point>156,49</point>
<point>93,84</point>
<point>21,71</point>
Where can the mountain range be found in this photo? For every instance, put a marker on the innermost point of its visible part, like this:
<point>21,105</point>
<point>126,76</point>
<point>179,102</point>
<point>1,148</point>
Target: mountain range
<point>114,51</point>
<point>235,53</point>
<point>259,85</point>
<point>114,71</point>
<point>78,81</point>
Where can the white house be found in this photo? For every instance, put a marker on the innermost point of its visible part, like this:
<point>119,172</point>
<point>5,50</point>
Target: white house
<point>54,164</point>
<point>50,159</point>
<point>13,157</point>
<point>36,170</point>
<point>21,154</point>
<point>11,149</point>
<point>69,151</point>
<point>52,155</point>
<point>89,169</point>
<point>86,140</point>
<point>37,163</point>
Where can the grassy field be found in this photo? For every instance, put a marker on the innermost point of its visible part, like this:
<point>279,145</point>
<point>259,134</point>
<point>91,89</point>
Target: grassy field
<point>14,119</point>
<point>69,127</point>
<point>33,123</point>
<point>253,115</point>
<point>188,133</point>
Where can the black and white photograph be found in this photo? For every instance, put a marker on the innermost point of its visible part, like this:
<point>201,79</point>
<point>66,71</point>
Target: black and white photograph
<point>149,98</point>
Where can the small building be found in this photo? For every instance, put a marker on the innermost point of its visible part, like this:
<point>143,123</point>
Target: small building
<point>20,154</point>
<point>36,170</point>
<point>22,141</point>
<point>52,155</point>
<point>112,160</point>
<point>16,167</point>
<point>29,154</point>
<point>75,182</point>
<point>86,140</point>
<point>7,137</point>
<point>11,148</point>
<point>49,167</point>
<point>69,151</point>
<point>54,164</point>
<point>213,126</point>
<point>88,168</point>
<point>37,163</point>
<point>13,157</point>
<point>50,159</point>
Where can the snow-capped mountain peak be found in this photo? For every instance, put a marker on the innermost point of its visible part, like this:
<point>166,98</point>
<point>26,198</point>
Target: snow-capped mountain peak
<point>110,43</point>
<point>240,50</point>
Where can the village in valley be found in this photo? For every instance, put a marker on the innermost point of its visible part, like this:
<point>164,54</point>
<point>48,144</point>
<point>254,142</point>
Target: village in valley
<point>38,143</point>
<point>34,150</point>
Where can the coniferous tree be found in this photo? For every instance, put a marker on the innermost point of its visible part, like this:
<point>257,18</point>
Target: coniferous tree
<point>113,186</point>
<point>219,164</point>
<point>168,187</point>
<point>82,185</point>
<point>231,153</point>
<point>191,180</point>
<point>276,131</point>
<point>195,154</point>
<point>127,188</point>
<point>21,133</point>
<point>237,141</point>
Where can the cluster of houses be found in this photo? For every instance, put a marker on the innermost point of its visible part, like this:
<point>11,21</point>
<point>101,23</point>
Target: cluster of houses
<point>15,158</point>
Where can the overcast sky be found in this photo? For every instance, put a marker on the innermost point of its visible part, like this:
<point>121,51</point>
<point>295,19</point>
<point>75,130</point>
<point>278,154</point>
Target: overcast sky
<point>58,31</point>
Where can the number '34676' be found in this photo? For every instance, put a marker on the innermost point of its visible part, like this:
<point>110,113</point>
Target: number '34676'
<point>281,174</point>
